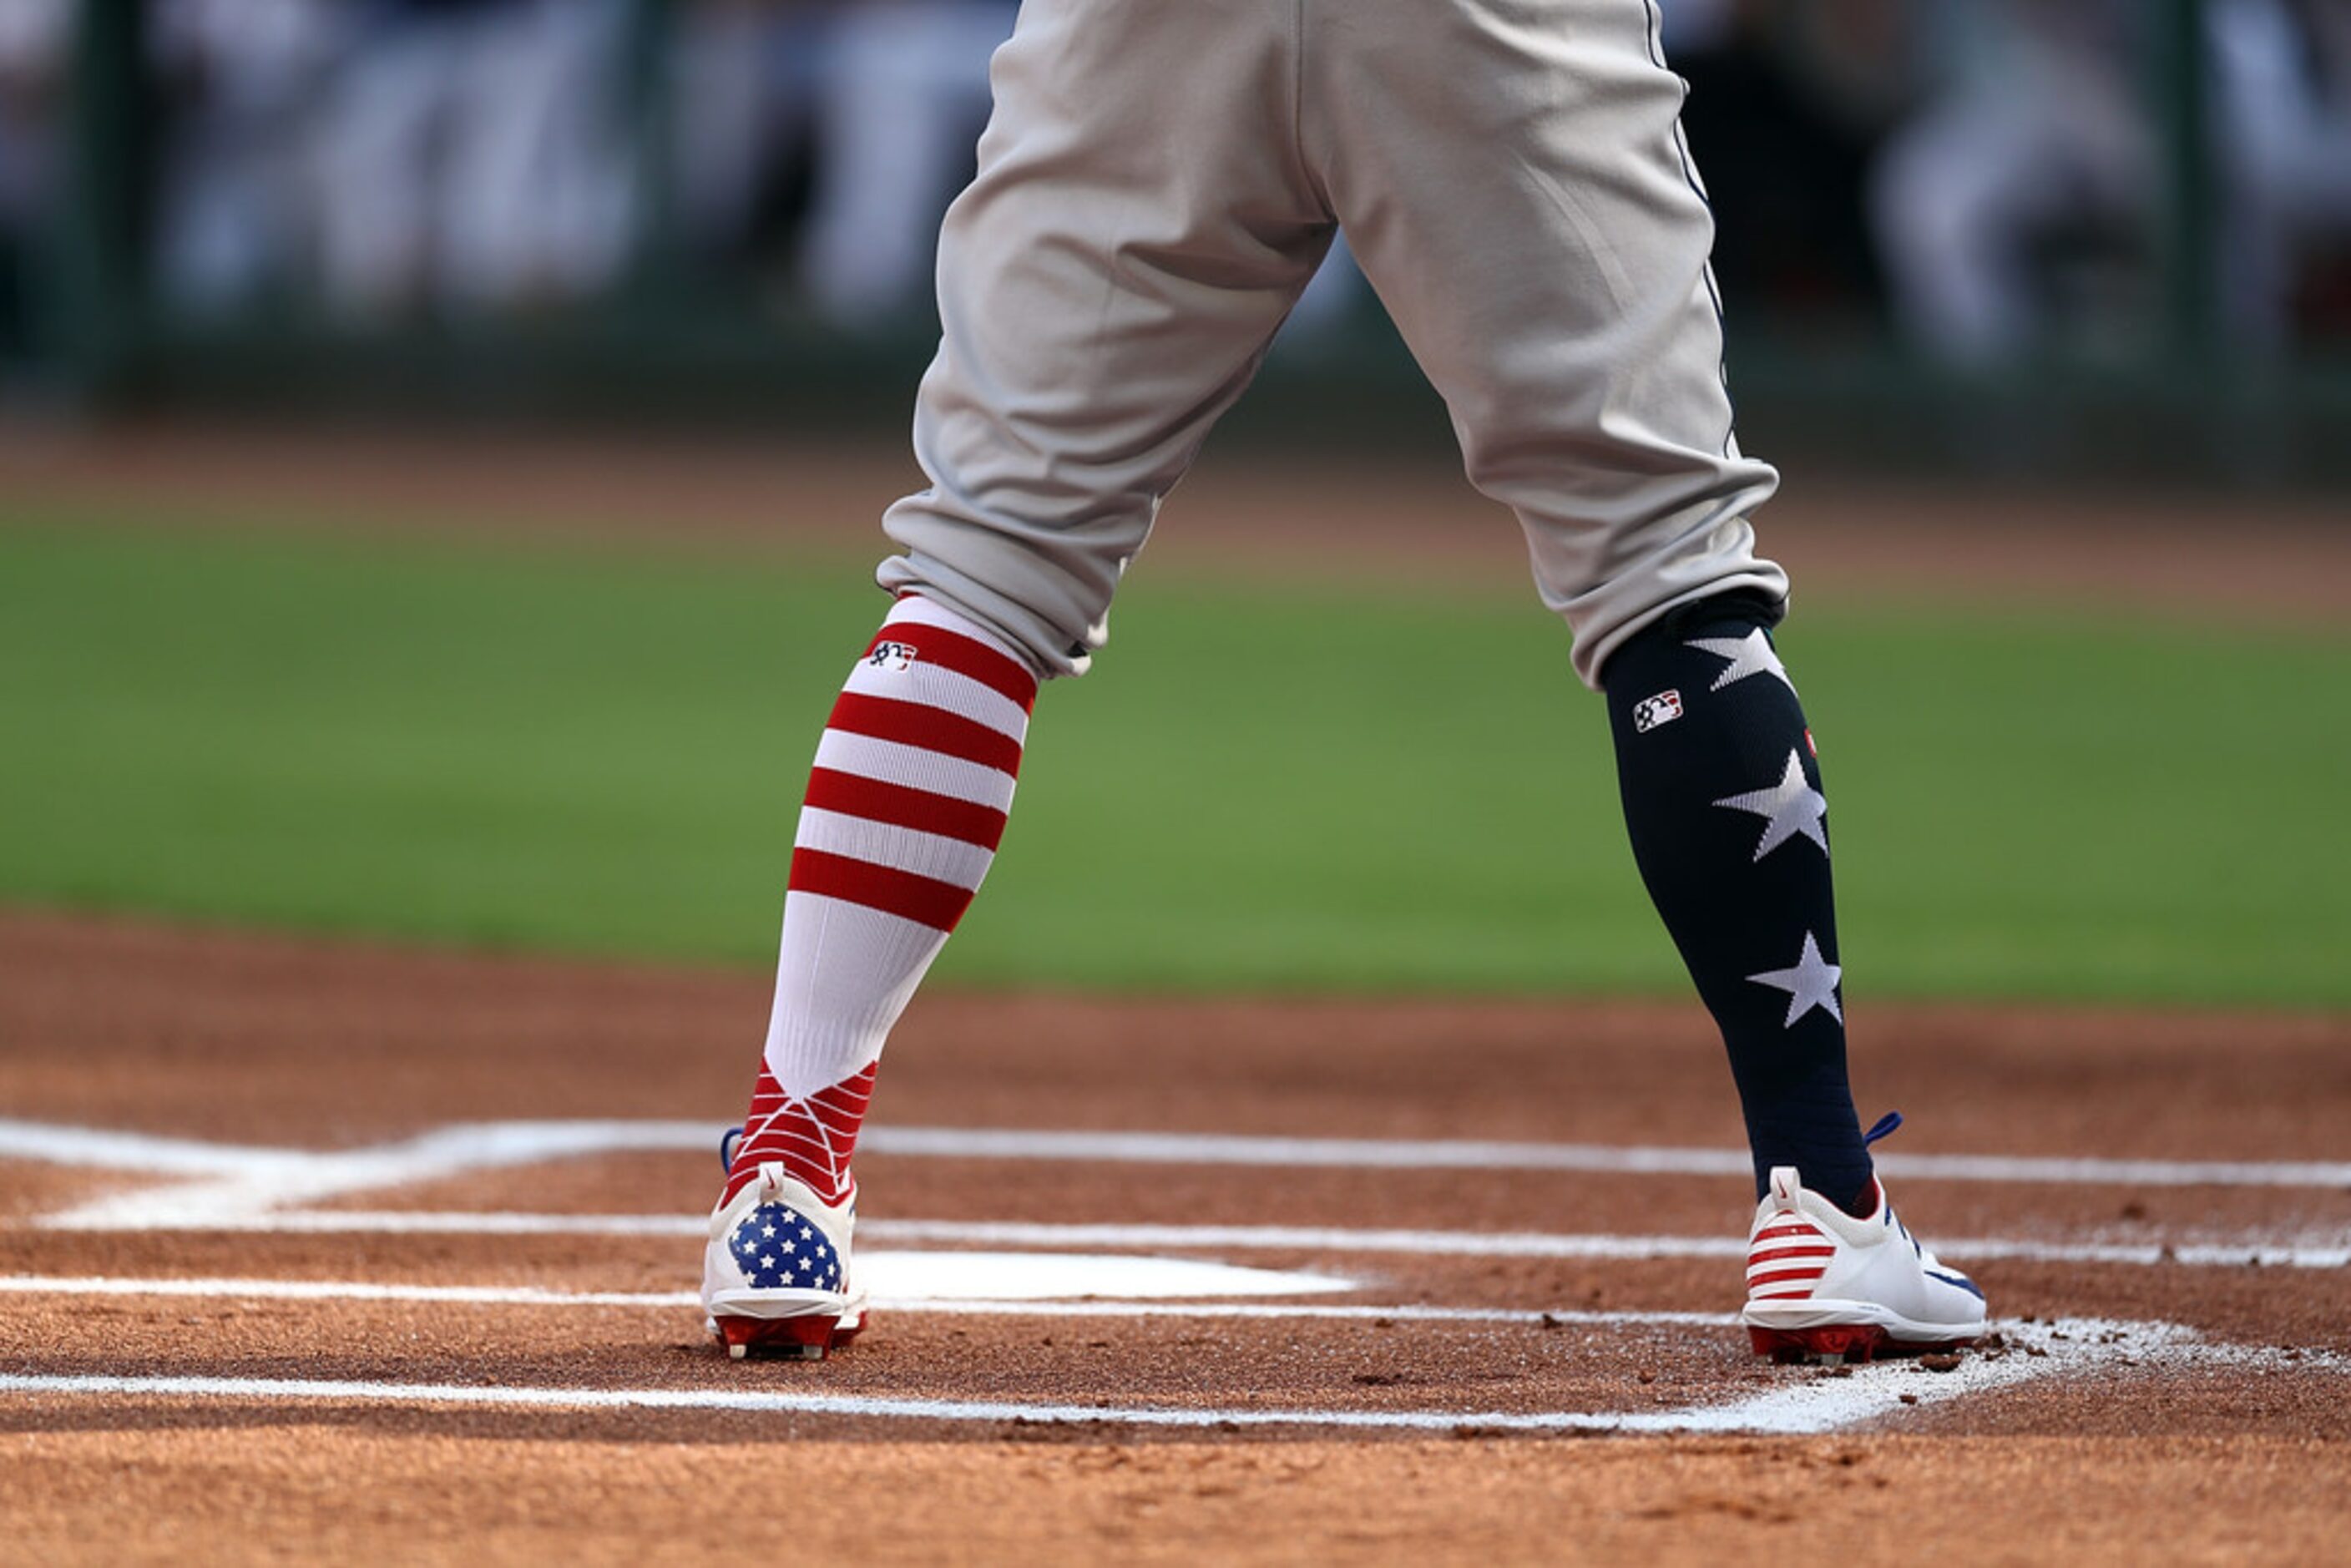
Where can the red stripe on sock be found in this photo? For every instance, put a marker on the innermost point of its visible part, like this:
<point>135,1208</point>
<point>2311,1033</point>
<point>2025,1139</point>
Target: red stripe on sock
<point>966,656</point>
<point>846,1094</point>
<point>853,795</point>
<point>921,899</point>
<point>928,729</point>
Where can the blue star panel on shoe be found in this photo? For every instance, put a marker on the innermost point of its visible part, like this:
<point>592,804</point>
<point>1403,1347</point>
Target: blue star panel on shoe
<point>777,1248</point>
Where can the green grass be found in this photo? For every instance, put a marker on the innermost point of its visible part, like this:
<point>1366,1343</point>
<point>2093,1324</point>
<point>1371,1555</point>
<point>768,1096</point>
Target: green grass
<point>602,752</point>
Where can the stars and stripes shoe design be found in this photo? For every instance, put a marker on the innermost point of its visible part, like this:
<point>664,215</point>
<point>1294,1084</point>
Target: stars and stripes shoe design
<point>1822,1284</point>
<point>776,1275</point>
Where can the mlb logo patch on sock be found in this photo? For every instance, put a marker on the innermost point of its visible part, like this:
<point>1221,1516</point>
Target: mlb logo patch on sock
<point>892,656</point>
<point>1651,711</point>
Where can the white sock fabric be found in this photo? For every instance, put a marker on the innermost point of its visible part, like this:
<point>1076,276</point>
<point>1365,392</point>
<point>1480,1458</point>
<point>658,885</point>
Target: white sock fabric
<point>908,798</point>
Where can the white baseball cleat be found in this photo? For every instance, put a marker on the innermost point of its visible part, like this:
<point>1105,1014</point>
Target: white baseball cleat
<point>1822,1284</point>
<point>776,1275</point>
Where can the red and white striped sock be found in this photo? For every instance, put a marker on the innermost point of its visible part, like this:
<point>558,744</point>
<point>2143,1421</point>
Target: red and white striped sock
<point>906,805</point>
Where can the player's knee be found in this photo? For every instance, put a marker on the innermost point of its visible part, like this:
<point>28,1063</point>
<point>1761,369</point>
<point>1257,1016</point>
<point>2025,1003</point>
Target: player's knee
<point>1047,627</point>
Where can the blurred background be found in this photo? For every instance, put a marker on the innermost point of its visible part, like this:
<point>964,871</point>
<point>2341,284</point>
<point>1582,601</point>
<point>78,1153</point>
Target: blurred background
<point>2021,236</point>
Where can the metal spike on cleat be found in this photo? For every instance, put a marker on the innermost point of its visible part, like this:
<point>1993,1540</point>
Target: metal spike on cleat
<point>1841,1344</point>
<point>1833,1345</point>
<point>781,1339</point>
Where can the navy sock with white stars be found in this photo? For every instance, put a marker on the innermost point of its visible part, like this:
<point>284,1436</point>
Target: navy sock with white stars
<point>1722,797</point>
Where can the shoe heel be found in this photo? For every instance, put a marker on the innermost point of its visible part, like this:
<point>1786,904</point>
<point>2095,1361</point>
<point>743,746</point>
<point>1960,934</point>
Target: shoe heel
<point>1833,1343</point>
<point>783,1338</point>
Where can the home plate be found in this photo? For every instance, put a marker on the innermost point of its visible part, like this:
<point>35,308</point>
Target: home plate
<point>913,1278</point>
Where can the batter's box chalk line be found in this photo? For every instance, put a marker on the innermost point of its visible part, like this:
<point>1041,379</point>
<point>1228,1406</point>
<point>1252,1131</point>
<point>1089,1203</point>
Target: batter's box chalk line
<point>1812,1405</point>
<point>240,1188</point>
<point>237,1188</point>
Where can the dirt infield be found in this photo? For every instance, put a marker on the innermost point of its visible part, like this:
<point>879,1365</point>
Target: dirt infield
<point>309,1248</point>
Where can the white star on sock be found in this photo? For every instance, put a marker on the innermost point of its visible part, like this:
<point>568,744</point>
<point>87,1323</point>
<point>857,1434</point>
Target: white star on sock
<point>1750,655</point>
<point>1813,983</point>
<point>1792,806</point>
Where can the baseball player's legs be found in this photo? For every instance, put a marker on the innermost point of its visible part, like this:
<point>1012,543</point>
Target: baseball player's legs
<point>1723,802</point>
<point>1139,227</point>
<point>1156,187</point>
<point>1107,285</point>
<point>1514,181</point>
<point>907,799</point>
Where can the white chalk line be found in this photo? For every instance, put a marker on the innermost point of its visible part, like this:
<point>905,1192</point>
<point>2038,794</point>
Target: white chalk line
<point>256,1190</point>
<point>337,1291</point>
<point>297,1175</point>
<point>1070,1276</point>
<point>313,1290</point>
<point>2332,1252</point>
<point>1191,1148</point>
<point>1795,1408</point>
<point>247,1180</point>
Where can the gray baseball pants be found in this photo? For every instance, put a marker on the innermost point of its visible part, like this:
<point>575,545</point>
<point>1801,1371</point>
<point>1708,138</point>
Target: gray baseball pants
<point>1159,179</point>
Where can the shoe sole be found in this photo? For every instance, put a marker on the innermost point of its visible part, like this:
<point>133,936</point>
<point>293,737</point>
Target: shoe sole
<point>1838,1344</point>
<point>1840,1332</point>
<point>806,1338</point>
<point>787,1325</point>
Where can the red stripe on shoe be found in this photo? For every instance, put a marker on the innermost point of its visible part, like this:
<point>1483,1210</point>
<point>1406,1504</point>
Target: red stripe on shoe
<point>966,656</point>
<point>831,790</point>
<point>1777,1254</point>
<point>920,899</point>
<point>1774,1232</point>
<point>1783,1277</point>
<point>927,729</point>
